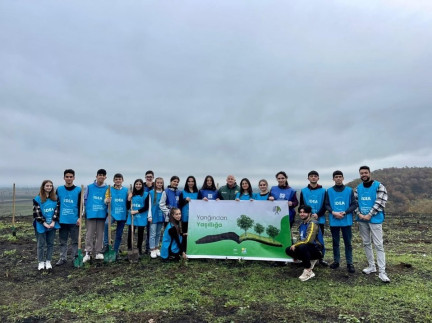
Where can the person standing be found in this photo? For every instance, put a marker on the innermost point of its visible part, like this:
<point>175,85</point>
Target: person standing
<point>229,191</point>
<point>263,190</point>
<point>69,197</point>
<point>142,212</point>
<point>372,198</point>
<point>46,214</point>
<point>170,197</point>
<point>148,186</point>
<point>314,196</point>
<point>340,203</point>
<point>246,193</point>
<point>117,198</point>
<point>284,192</point>
<point>96,213</point>
<point>309,247</point>
<point>208,190</point>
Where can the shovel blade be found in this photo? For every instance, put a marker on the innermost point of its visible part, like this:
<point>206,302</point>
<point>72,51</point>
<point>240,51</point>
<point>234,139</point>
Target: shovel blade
<point>78,261</point>
<point>110,255</point>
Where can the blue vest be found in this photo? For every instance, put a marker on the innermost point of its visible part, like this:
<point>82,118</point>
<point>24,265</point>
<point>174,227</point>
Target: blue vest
<point>157,214</point>
<point>95,205</point>
<point>47,209</point>
<point>168,243</point>
<point>140,219</point>
<point>244,197</point>
<point>209,194</point>
<point>284,194</point>
<point>258,196</point>
<point>340,202</point>
<point>303,230</point>
<point>185,209</point>
<point>315,199</point>
<point>118,203</point>
<point>366,200</point>
<point>69,211</point>
<point>173,197</point>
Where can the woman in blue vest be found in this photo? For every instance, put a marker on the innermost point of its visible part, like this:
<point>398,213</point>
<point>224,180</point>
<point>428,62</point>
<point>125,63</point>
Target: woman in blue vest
<point>172,242</point>
<point>284,192</point>
<point>208,190</point>
<point>157,218</point>
<point>46,215</point>
<point>246,193</point>
<point>264,192</point>
<point>190,192</point>
<point>141,210</point>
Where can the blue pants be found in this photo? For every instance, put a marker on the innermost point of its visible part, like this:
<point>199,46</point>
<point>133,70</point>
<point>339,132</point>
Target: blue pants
<point>347,236</point>
<point>118,235</point>
<point>45,239</point>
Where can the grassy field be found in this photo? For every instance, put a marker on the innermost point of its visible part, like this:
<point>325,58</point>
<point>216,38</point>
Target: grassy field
<point>215,290</point>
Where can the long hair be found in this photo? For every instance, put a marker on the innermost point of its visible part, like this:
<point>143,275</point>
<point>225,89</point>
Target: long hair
<point>52,195</point>
<point>207,187</point>
<point>155,193</point>
<point>138,192</point>
<point>249,190</point>
<point>174,222</point>
<point>284,175</point>
<point>194,188</point>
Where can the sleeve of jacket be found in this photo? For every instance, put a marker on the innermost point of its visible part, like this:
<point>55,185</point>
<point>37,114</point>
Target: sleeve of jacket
<point>311,234</point>
<point>162,204</point>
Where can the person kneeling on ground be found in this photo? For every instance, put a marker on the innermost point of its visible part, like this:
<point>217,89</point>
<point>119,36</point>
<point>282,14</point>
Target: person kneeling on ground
<point>310,246</point>
<point>173,242</point>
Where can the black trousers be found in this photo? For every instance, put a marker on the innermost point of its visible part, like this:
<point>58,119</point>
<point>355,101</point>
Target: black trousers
<point>305,252</point>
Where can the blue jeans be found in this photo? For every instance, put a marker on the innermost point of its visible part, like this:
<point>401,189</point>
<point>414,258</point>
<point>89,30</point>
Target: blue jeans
<point>45,239</point>
<point>347,236</point>
<point>118,235</point>
<point>155,231</point>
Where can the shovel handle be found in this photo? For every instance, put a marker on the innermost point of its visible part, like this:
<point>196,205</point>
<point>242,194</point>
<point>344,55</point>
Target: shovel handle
<point>81,210</point>
<point>109,215</point>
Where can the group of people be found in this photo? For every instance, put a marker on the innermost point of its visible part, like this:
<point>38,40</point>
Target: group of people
<point>149,204</point>
<point>365,204</point>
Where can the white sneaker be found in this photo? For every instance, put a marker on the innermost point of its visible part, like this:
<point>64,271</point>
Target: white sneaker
<point>86,257</point>
<point>153,254</point>
<point>99,256</point>
<point>307,274</point>
<point>158,252</point>
<point>313,262</point>
<point>369,270</point>
<point>383,276</point>
<point>41,266</point>
<point>48,265</point>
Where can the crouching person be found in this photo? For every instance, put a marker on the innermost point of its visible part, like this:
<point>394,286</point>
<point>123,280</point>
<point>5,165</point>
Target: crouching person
<point>173,243</point>
<point>309,249</point>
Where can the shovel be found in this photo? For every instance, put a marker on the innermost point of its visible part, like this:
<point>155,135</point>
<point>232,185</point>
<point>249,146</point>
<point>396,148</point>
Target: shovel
<point>13,212</point>
<point>110,254</point>
<point>133,254</point>
<point>78,261</point>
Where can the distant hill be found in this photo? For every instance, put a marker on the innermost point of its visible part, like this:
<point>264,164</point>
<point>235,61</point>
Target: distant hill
<point>409,189</point>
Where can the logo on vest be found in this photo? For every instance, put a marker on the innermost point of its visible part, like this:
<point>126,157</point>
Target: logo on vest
<point>366,198</point>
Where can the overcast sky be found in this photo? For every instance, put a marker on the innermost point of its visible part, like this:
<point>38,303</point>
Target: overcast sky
<point>213,87</point>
